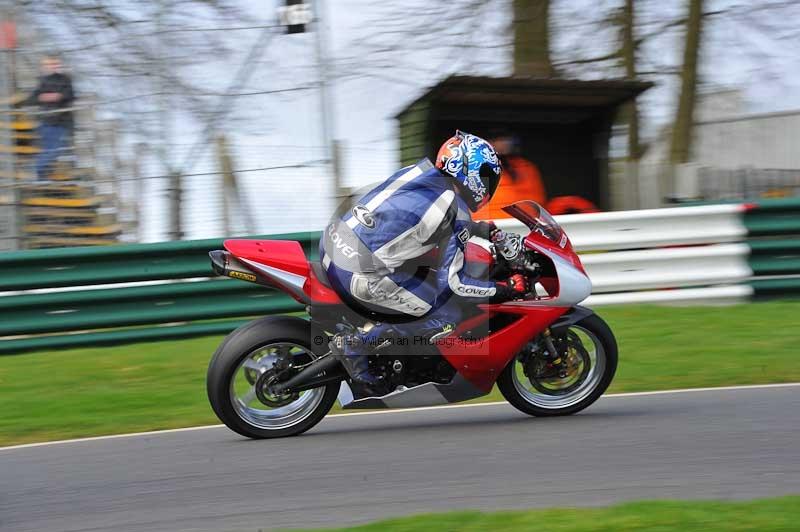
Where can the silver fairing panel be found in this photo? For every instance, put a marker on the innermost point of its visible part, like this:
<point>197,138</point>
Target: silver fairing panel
<point>288,280</point>
<point>428,394</point>
<point>573,285</point>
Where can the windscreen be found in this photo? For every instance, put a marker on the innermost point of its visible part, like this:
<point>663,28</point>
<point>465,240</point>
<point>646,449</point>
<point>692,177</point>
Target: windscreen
<point>537,219</point>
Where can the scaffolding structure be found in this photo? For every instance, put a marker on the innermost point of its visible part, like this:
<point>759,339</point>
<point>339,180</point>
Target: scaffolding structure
<point>77,203</point>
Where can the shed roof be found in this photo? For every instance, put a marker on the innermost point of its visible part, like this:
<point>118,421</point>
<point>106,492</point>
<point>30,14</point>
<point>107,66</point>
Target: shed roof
<point>534,92</point>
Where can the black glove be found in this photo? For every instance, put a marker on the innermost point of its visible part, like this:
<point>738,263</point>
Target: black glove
<point>514,287</point>
<point>484,230</point>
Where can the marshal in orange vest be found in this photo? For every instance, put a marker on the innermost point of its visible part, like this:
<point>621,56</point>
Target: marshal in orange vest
<point>520,180</point>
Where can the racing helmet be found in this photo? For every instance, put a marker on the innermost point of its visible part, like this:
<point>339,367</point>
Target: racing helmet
<point>473,164</point>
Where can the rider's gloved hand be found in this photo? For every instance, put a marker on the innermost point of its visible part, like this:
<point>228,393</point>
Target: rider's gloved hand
<point>514,287</point>
<point>486,230</point>
<point>519,284</point>
<point>498,235</point>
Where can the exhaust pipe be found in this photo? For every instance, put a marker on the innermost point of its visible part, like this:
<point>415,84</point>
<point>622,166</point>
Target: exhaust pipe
<point>226,265</point>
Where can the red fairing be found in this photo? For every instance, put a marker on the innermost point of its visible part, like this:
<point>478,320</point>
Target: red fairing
<point>545,233</point>
<point>543,245</point>
<point>319,293</point>
<point>284,255</point>
<point>482,360</point>
<point>475,253</point>
<point>478,261</point>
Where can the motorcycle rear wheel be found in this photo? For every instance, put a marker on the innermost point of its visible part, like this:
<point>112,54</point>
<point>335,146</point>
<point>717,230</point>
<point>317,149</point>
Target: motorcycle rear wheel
<point>595,369</point>
<point>252,351</point>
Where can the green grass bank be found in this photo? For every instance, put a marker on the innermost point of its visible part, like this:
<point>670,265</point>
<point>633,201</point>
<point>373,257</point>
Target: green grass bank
<point>765,515</point>
<point>149,386</point>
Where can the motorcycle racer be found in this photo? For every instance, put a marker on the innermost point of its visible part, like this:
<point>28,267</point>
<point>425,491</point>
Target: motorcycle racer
<point>372,251</point>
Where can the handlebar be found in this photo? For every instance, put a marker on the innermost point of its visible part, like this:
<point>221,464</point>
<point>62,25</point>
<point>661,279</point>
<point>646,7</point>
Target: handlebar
<point>510,247</point>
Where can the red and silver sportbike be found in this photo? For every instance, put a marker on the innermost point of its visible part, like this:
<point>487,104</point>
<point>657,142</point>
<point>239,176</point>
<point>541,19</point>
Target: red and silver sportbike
<point>549,357</point>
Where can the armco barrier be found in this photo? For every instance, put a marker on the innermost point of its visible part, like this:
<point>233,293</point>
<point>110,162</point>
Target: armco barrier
<point>126,293</point>
<point>100,296</point>
<point>139,305</point>
<point>631,256</point>
<point>772,218</point>
<point>63,267</point>
<point>607,231</point>
<point>647,269</point>
<point>774,239</point>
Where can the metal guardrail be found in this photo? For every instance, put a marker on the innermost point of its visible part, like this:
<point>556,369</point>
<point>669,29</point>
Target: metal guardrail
<point>134,306</point>
<point>774,229</point>
<point>86,266</point>
<point>608,231</point>
<point>117,294</point>
<point>631,256</point>
<point>97,296</point>
<point>720,253</point>
<point>648,269</point>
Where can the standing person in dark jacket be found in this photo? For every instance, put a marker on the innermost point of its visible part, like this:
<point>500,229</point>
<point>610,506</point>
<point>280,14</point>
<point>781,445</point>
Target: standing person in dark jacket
<point>54,96</point>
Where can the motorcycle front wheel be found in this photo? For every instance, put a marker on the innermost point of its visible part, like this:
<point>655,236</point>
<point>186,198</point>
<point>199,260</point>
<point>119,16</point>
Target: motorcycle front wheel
<point>589,365</point>
<point>243,366</point>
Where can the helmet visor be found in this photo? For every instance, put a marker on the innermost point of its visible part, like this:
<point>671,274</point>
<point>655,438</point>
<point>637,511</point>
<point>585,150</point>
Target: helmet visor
<point>490,175</point>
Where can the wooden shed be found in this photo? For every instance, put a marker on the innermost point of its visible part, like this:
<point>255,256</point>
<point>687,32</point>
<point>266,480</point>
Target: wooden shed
<point>564,126</point>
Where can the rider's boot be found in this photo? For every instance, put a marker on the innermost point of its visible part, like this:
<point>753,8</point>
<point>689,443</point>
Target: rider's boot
<point>437,330</point>
<point>354,356</point>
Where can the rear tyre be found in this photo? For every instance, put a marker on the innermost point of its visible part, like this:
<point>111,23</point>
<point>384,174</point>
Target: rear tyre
<point>592,357</point>
<point>246,358</point>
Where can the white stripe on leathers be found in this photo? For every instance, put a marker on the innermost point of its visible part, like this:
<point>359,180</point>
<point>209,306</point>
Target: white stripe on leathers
<point>460,288</point>
<point>384,194</point>
<point>384,292</point>
<point>411,243</point>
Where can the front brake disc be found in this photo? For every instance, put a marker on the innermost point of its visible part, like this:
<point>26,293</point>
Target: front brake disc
<point>548,381</point>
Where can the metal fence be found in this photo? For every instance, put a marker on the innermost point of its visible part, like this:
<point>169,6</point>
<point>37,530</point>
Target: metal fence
<point>647,185</point>
<point>747,183</point>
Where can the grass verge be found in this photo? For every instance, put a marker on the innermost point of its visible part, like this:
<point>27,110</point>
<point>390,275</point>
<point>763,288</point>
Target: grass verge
<point>149,386</point>
<point>766,515</point>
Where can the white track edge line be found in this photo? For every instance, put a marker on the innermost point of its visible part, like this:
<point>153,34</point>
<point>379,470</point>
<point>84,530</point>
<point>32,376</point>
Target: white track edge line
<point>401,411</point>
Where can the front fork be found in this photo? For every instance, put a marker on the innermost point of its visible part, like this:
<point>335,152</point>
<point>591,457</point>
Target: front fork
<point>551,356</point>
<point>547,339</point>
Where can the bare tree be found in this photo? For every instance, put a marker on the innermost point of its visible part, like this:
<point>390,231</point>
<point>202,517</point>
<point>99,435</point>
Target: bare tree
<point>453,35</point>
<point>531,28</point>
<point>682,125</point>
<point>628,53</point>
<point>140,58</point>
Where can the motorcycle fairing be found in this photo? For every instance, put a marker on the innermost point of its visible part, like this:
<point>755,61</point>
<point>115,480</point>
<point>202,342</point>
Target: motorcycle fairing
<point>283,263</point>
<point>569,286</point>
<point>428,394</point>
<point>482,360</point>
<point>284,255</point>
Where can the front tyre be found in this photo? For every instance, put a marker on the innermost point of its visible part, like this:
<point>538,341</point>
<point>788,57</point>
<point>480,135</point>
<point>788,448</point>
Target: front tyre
<point>243,366</point>
<point>587,363</point>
